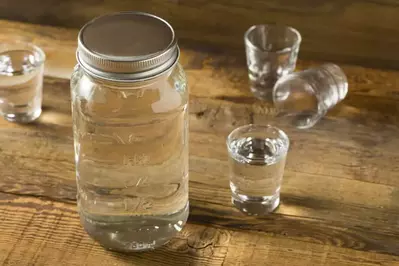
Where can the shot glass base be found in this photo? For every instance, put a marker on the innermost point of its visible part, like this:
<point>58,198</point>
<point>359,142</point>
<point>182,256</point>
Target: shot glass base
<point>263,94</point>
<point>256,206</point>
<point>23,117</point>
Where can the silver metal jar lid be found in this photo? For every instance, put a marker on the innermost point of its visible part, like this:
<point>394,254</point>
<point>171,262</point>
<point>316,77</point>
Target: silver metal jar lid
<point>127,46</point>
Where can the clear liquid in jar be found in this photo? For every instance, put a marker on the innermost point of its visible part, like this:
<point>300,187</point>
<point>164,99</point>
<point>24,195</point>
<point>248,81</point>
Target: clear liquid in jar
<point>131,156</point>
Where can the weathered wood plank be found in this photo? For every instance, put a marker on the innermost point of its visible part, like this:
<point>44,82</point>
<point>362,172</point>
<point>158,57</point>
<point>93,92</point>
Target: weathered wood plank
<point>354,145</point>
<point>313,195</point>
<point>222,23</point>
<point>356,151</point>
<point>340,200</point>
<point>370,110</point>
<point>226,73</point>
<point>41,232</point>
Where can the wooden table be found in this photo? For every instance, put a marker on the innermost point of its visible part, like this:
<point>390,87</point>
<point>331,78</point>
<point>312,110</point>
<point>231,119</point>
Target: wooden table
<point>340,196</point>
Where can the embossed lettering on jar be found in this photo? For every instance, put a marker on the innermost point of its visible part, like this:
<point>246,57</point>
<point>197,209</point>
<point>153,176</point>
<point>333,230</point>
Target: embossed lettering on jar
<point>129,105</point>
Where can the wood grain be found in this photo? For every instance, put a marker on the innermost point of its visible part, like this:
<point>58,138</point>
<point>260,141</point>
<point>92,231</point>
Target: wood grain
<point>36,231</point>
<point>340,196</point>
<point>332,30</point>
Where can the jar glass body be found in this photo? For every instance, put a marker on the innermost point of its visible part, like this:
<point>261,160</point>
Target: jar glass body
<point>131,155</point>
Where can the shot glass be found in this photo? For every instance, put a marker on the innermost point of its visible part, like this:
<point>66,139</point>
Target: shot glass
<point>303,98</point>
<point>21,81</point>
<point>272,52</point>
<point>257,157</point>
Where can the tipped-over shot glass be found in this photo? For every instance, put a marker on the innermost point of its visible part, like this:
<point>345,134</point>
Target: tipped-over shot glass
<point>303,98</point>
<point>272,52</point>
<point>21,81</point>
<point>257,157</point>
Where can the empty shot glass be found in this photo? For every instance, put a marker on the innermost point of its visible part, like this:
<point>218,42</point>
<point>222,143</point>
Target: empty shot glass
<point>302,98</point>
<point>257,157</point>
<point>21,81</point>
<point>272,52</point>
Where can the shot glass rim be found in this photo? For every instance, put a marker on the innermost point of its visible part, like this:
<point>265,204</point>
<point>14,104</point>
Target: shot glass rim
<point>252,46</point>
<point>265,127</point>
<point>29,45</point>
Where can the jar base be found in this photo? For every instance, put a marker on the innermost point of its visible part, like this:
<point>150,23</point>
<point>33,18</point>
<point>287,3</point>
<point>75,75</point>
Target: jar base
<point>133,233</point>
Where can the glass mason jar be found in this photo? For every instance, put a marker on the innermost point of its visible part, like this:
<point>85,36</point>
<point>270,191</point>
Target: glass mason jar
<point>130,125</point>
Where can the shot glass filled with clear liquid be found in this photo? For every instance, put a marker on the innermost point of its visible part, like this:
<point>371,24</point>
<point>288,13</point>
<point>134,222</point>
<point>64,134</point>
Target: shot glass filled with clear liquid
<point>21,81</point>
<point>272,52</point>
<point>257,157</point>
